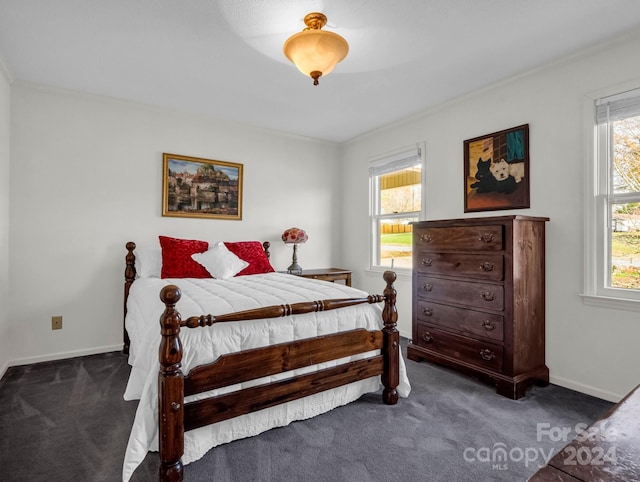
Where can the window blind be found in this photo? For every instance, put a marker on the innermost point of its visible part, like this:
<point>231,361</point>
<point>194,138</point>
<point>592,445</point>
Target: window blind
<point>617,107</point>
<point>397,162</point>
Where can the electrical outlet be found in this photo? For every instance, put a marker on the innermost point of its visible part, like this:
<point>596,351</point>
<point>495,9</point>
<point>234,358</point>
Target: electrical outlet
<point>56,322</point>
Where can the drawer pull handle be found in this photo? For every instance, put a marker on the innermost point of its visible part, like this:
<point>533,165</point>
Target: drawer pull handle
<point>487,354</point>
<point>427,262</point>
<point>488,296</point>
<point>427,286</point>
<point>489,325</point>
<point>486,237</point>
<point>486,266</point>
<point>426,336</point>
<point>426,238</point>
<point>427,312</point>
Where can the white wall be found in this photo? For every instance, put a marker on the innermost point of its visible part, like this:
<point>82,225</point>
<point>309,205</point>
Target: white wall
<point>86,177</point>
<point>593,350</point>
<point>5,338</point>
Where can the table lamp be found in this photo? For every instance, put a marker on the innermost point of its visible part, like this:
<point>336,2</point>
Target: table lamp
<point>294,236</point>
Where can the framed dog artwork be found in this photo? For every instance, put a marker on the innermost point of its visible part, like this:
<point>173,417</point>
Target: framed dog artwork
<point>496,171</point>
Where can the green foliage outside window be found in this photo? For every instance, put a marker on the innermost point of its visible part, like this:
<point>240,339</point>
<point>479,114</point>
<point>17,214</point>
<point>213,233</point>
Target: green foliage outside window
<point>625,216</point>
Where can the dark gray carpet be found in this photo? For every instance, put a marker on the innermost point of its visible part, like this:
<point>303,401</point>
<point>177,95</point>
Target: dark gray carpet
<point>67,421</point>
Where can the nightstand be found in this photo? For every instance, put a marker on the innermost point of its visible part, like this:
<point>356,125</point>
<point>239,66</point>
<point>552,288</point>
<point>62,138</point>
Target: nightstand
<point>328,274</point>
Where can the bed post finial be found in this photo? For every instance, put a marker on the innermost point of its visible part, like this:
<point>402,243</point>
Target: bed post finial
<point>391,342</point>
<point>129,277</point>
<point>266,245</point>
<point>170,389</point>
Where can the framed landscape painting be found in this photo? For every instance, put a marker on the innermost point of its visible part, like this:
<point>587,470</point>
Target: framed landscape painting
<point>496,170</point>
<point>201,188</point>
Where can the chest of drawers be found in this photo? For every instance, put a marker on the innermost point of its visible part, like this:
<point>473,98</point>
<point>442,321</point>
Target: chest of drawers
<point>478,299</point>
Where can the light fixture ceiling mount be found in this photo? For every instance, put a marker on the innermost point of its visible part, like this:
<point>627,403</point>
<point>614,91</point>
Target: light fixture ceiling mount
<point>315,52</point>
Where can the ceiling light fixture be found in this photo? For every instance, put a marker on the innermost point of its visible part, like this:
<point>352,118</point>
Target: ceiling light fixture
<point>314,51</point>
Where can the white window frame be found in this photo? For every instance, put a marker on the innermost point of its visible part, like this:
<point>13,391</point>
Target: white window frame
<point>382,165</point>
<point>598,198</point>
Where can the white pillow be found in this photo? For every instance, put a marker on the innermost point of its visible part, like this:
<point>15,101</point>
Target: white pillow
<point>220,262</point>
<point>148,262</point>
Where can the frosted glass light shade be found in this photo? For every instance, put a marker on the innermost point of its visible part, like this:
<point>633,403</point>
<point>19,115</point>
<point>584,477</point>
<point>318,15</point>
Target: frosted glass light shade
<point>316,50</point>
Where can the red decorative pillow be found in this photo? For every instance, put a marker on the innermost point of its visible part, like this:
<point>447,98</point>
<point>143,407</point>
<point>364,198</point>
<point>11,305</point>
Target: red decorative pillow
<point>177,261</point>
<point>253,253</point>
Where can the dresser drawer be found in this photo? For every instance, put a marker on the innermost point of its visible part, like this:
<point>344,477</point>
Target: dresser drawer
<point>479,266</point>
<point>476,295</point>
<point>464,321</point>
<point>477,352</point>
<point>465,238</point>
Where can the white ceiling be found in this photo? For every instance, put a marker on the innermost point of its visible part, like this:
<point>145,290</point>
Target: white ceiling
<point>224,58</point>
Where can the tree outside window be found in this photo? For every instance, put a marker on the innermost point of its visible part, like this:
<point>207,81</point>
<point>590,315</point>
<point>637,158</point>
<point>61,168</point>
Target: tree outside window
<point>624,234</point>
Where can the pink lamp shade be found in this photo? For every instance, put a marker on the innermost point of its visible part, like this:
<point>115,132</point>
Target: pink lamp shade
<point>294,236</point>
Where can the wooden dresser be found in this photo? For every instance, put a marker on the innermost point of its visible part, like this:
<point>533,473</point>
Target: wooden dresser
<point>478,298</point>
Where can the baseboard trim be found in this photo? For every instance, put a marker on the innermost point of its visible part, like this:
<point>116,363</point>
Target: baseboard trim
<point>586,389</point>
<point>62,355</point>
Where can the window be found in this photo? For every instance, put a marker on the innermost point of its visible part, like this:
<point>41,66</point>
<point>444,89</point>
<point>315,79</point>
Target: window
<point>396,201</point>
<point>613,269</point>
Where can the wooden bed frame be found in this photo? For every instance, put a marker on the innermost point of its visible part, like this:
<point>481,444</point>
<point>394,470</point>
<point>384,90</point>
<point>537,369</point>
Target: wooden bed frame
<point>176,416</point>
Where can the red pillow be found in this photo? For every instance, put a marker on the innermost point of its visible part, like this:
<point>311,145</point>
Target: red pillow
<point>177,261</point>
<point>253,253</point>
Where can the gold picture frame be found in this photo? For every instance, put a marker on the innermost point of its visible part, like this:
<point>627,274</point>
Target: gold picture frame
<point>193,187</point>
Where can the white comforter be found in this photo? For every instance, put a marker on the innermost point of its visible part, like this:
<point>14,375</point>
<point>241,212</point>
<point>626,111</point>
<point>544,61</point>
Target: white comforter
<point>204,345</point>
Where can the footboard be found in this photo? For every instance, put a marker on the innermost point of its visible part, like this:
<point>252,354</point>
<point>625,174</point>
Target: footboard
<point>176,416</point>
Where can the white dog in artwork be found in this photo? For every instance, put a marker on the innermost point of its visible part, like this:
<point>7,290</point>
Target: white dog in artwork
<point>501,170</point>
